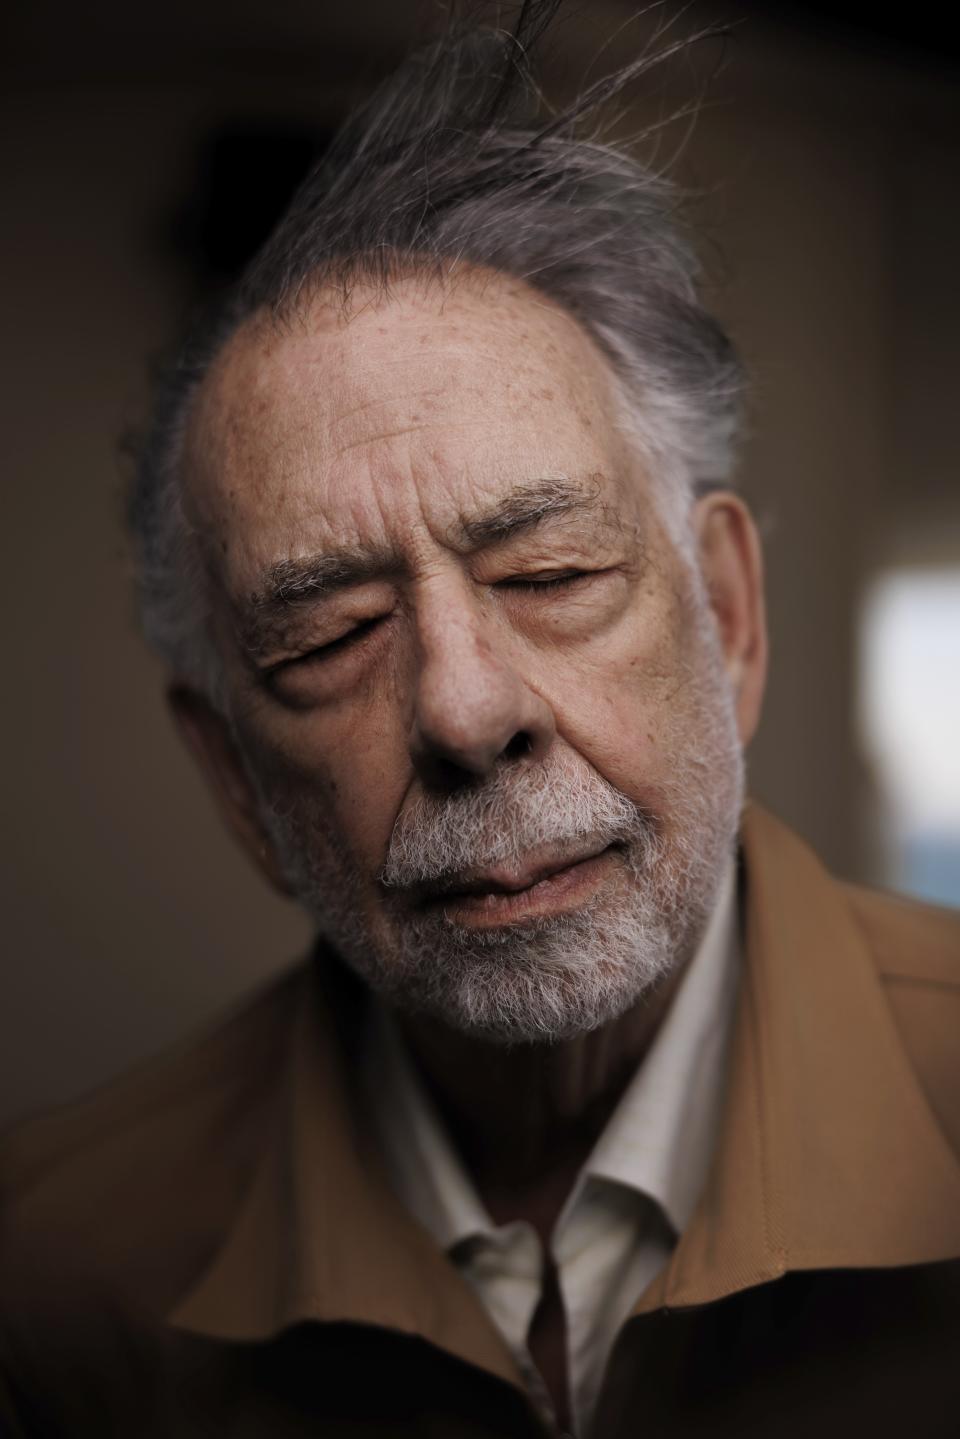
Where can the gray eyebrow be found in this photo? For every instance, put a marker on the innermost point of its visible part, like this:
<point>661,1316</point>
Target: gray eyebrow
<point>290,582</point>
<point>524,508</point>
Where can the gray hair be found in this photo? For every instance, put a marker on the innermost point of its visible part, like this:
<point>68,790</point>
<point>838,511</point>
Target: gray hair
<point>451,163</point>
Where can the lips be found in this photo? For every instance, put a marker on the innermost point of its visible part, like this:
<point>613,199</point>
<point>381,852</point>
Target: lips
<point>505,880</point>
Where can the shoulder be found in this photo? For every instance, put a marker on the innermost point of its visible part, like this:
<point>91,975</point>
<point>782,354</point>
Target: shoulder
<point>912,948</point>
<point>133,1184</point>
<point>912,942</point>
<point>916,951</point>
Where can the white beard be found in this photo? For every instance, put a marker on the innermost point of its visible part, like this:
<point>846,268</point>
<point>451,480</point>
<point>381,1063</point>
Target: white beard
<point>549,978</point>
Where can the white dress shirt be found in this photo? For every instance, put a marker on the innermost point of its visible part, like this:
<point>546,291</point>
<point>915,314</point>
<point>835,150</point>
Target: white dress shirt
<point>633,1197</point>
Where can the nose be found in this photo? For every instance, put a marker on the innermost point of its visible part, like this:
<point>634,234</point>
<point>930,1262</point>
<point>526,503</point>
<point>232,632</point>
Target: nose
<point>472,708</point>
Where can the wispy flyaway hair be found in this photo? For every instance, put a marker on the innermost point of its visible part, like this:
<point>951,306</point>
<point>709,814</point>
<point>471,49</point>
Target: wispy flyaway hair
<point>456,160</point>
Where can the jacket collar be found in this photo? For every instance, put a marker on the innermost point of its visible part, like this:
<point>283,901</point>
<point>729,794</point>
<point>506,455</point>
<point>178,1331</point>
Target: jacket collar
<point>320,1235</point>
<point>828,1154</point>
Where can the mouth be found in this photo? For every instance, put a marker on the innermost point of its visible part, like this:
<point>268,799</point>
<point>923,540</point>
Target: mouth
<point>541,887</point>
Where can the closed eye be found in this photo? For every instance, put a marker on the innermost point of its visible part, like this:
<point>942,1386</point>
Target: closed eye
<point>547,580</point>
<point>328,651</point>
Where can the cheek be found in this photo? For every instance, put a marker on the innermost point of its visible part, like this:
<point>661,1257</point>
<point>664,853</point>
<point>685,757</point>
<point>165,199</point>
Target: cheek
<point>621,731</point>
<point>369,769</point>
<point>349,769</point>
<point>619,703</point>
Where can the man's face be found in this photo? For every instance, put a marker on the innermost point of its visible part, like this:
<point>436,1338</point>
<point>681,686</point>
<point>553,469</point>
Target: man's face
<point>479,693</point>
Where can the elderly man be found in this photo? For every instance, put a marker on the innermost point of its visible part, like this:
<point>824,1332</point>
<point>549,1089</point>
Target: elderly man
<point>600,1107</point>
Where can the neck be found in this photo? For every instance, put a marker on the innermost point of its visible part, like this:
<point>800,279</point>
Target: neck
<point>524,1119</point>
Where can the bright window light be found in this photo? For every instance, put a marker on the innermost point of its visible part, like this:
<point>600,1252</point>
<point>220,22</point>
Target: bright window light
<point>910,719</point>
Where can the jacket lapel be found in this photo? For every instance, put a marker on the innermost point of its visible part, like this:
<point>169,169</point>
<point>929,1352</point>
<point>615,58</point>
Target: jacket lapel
<point>828,1155</point>
<point>320,1235</point>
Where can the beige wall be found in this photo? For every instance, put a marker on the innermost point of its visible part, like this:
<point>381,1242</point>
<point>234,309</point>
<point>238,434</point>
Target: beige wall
<point>128,915</point>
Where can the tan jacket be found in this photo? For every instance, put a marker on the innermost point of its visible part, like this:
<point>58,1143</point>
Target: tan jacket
<point>208,1247</point>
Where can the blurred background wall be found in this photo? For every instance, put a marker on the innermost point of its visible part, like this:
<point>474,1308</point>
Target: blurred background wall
<point>144,147</point>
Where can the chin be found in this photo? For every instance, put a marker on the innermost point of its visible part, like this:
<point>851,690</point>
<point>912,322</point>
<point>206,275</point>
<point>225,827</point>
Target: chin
<point>539,981</point>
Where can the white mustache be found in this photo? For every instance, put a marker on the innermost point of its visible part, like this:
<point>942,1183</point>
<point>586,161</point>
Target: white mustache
<point>504,820</point>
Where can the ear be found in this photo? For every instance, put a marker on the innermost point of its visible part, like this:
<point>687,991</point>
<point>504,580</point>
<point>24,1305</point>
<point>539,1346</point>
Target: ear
<point>731,562</point>
<point>210,740</point>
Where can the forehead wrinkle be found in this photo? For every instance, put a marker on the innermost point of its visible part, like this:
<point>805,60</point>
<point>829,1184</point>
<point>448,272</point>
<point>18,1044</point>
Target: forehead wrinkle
<point>464,422</point>
<point>373,401</point>
<point>383,435</point>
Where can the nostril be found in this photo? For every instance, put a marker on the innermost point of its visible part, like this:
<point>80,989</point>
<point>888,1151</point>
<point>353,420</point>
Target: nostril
<point>446,775</point>
<point>520,745</point>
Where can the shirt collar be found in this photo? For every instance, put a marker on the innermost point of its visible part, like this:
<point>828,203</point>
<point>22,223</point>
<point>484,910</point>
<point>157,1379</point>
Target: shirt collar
<point>425,1171</point>
<point>660,1137</point>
